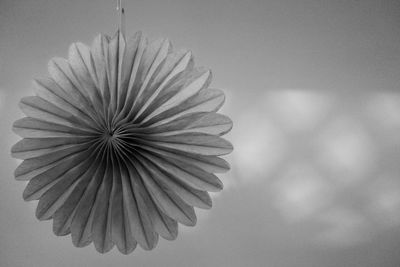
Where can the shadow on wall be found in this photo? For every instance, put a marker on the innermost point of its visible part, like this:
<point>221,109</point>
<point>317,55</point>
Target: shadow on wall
<point>328,159</point>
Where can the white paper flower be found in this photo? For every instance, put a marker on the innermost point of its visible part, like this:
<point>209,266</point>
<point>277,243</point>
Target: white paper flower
<point>121,142</point>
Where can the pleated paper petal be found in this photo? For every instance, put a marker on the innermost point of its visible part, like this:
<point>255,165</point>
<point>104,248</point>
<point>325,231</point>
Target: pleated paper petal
<point>121,142</point>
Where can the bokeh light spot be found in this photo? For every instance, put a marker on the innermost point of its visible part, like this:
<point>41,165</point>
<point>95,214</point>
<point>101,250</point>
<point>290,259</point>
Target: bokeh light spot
<point>301,192</point>
<point>259,146</point>
<point>298,110</point>
<point>346,150</point>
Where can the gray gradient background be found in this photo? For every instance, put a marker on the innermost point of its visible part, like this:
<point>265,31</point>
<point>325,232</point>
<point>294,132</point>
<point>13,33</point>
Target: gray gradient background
<point>313,90</point>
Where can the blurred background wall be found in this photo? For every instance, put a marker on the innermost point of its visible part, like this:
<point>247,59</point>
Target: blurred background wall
<point>313,89</point>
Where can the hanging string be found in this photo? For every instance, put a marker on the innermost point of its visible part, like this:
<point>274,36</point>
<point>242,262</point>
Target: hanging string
<point>121,16</point>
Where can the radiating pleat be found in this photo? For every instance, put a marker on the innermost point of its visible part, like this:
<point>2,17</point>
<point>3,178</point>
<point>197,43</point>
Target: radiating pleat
<point>211,164</point>
<point>62,218</point>
<point>199,122</point>
<point>32,164</point>
<point>114,48</point>
<point>134,80</point>
<point>82,220</point>
<point>41,182</point>
<point>130,53</point>
<point>141,226</point>
<point>82,65</point>
<point>148,228</point>
<point>99,51</point>
<point>169,81</point>
<point>35,147</point>
<point>101,228</point>
<point>63,98</point>
<point>156,78</point>
<point>121,231</point>
<point>195,81</point>
<point>163,225</point>
<point>189,195</point>
<point>51,92</point>
<point>55,197</point>
<point>120,57</point>
<point>30,128</point>
<point>152,61</point>
<point>187,174</point>
<point>196,143</point>
<point>38,108</point>
<point>165,199</point>
<point>61,72</point>
<point>205,100</point>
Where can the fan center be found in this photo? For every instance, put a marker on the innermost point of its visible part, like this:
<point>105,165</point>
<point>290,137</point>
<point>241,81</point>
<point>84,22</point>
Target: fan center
<point>110,135</point>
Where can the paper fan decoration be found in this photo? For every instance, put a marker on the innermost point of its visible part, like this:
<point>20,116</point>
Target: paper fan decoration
<point>121,142</point>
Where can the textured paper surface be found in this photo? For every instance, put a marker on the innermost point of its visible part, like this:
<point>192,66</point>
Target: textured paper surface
<point>121,142</point>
